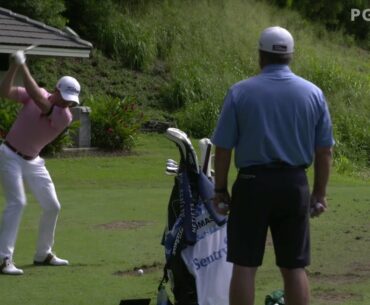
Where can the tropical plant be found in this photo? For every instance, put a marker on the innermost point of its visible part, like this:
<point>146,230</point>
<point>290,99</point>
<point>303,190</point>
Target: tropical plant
<point>114,122</point>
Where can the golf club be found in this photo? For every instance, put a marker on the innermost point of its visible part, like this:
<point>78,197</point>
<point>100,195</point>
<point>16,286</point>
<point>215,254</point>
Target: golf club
<point>171,167</point>
<point>171,163</point>
<point>205,146</point>
<point>29,48</point>
<point>187,151</point>
<point>171,171</point>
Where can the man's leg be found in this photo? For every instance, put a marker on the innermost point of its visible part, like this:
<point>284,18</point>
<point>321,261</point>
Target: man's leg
<point>41,185</point>
<point>296,286</point>
<point>290,230</point>
<point>15,200</point>
<point>242,285</point>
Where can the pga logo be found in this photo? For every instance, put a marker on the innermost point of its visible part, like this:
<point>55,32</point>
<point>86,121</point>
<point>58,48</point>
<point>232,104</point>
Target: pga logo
<point>364,14</point>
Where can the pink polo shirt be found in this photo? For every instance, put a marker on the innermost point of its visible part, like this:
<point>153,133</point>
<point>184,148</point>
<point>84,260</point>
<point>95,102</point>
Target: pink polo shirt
<point>32,130</point>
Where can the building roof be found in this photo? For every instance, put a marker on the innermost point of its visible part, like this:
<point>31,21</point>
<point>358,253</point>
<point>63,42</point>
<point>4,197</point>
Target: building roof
<point>19,32</point>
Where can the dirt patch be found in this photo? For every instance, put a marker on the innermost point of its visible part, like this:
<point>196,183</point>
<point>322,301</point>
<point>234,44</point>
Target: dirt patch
<point>336,278</point>
<point>134,271</point>
<point>359,272</point>
<point>124,225</point>
<point>361,268</point>
<point>335,297</point>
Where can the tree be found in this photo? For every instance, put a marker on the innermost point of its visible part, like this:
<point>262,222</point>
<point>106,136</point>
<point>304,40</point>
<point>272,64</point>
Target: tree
<point>46,11</point>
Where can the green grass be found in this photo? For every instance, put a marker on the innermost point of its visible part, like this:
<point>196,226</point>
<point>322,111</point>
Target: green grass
<point>132,191</point>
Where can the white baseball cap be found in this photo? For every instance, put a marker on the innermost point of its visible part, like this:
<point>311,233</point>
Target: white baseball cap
<point>69,89</point>
<point>276,40</point>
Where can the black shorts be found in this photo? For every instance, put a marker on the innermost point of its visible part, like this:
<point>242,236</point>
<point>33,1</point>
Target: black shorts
<point>264,198</point>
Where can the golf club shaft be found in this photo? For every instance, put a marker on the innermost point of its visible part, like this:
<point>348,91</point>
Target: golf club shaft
<point>29,48</point>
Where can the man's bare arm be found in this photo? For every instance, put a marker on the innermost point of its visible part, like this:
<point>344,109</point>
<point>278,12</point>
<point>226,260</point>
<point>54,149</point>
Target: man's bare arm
<point>34,90</point>
<point>322,165</point>
<point>6,87</point>
<point>222,165</point>
<point>221,199</point>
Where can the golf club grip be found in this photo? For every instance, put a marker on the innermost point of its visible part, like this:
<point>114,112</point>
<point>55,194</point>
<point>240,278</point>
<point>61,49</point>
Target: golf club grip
<point>206,159</point>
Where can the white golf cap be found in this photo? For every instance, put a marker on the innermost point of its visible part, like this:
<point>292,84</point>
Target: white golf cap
<point>276,40</point>
<point>69,88</point>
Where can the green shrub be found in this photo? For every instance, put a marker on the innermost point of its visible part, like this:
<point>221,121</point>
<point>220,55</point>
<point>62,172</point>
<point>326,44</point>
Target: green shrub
<point>114,122</point>
<point>177,94</point>
<point>8,113</point>
<point>347,91</point>
<point>165,35</point>
<point>189,85</point>
<point>352,132</point>
<point>343,165</point>
<point>125,39</point>
<point>112,30</point>
<point>327,75</point>
<point>198,119</point>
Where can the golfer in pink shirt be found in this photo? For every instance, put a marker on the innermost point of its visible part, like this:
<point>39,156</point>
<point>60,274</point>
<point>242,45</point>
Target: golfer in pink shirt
<point>42,118</point>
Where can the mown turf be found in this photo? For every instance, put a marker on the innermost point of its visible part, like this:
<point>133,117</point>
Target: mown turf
<point>112,220</point>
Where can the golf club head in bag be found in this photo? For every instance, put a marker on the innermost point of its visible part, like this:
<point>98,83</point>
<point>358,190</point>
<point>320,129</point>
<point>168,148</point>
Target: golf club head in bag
<point>205,146</point>
<point>171,170</point>
<point>171,162</point>
<point>171,167</point>
<point>187,152</point>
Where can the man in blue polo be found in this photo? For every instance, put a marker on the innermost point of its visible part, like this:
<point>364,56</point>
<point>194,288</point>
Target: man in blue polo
<point>278,124</point>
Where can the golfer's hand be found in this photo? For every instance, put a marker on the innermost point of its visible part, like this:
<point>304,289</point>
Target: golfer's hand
<point>19,57</point>
<point>318,205</point>
<point>221,203</point>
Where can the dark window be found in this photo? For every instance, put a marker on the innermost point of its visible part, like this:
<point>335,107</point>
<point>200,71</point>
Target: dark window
<point>4,62</point>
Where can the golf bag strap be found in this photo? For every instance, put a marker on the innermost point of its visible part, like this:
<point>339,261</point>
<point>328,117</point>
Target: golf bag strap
<point>164,278</point>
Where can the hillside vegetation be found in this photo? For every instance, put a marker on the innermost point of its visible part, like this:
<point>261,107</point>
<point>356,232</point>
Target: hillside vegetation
<point>179,57</point>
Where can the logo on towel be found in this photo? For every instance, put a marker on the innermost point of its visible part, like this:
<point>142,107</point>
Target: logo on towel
<point>203,262</point>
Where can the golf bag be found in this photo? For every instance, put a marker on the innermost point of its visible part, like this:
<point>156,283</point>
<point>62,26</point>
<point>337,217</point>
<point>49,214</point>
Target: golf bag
<point>195,235</point>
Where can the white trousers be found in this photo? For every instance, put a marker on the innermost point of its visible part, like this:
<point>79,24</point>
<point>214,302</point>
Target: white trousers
<point>13,171</point>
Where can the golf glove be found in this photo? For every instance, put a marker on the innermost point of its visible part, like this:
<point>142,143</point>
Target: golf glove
<point>19,57</point>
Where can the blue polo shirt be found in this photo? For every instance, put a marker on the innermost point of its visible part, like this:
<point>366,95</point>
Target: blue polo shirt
<point>274,116</point>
